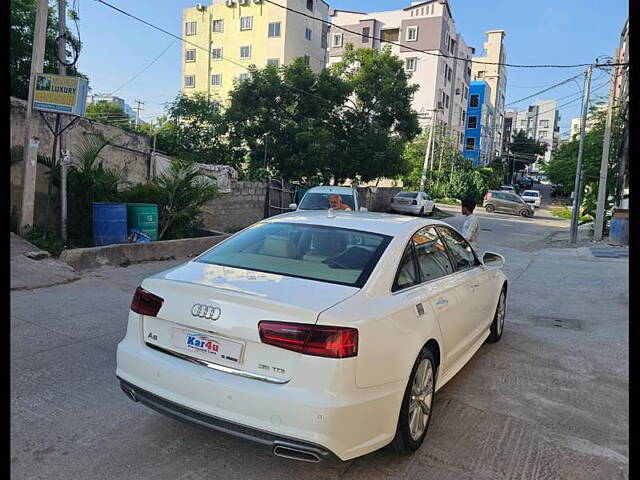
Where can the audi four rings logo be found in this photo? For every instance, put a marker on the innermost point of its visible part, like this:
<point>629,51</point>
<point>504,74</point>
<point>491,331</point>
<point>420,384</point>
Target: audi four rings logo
<point>206,311</point>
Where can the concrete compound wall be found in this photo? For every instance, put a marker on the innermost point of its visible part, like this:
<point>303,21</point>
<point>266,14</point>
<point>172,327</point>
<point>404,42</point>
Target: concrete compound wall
<point>377,199</point>
<point>131,157</point>
<point>236,210</point>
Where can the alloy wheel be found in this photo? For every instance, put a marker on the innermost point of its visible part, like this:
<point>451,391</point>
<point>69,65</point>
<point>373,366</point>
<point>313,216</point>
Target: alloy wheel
<point>500,314</point>
<point>421,399</point>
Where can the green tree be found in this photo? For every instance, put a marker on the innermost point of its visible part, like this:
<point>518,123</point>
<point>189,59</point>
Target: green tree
<point>562,169</point>
<point>201,130</point>
<point>22,23</point>
<point>523,150</point>
<point>110,113</point>
<point>377,120</point>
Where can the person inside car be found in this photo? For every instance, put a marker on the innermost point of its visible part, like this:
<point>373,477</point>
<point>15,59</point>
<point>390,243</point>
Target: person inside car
<point>335,203</point>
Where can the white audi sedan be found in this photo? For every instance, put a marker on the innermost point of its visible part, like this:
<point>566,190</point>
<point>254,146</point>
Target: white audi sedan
<point>314,333</point>
<point>416,203</point>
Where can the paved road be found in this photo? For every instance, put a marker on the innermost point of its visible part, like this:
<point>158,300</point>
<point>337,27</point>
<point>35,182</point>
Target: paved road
<point>549,401</point>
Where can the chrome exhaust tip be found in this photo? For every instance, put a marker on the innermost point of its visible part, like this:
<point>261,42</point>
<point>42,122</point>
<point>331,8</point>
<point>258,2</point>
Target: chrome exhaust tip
<point>296,453</point>
<point>129,393</point>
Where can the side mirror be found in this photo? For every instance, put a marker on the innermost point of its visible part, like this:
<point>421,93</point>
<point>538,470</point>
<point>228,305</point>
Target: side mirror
<point>491,259</point>
<point>363,209</point>
<point>293,206</point>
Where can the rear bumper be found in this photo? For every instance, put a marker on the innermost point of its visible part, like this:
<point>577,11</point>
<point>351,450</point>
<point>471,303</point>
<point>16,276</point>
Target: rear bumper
<point>406,208</point>
<point>194,417</point>
<point>320,407</point>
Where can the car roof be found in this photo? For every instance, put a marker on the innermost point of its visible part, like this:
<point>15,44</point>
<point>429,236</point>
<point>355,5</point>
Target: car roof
<point>531,191</point>
<point>331,189</point>
<point>506,186</point>
<point>374,222</point>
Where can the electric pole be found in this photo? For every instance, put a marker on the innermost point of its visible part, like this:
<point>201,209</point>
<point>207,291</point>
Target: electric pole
<point>427,155</point>
<point>64,158</point>
<point>31,141</point>
<point>139,104</point>
<point>604,164</point>
<point>577,191</point>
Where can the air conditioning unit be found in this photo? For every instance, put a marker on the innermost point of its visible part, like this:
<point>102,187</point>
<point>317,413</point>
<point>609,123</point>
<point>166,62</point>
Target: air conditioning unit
<point>243,2</point>
<point>200,7</point>
<point>231,3</point>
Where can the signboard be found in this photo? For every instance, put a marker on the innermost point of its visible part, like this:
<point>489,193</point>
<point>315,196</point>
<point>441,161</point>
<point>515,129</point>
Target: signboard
<point>60,94</point>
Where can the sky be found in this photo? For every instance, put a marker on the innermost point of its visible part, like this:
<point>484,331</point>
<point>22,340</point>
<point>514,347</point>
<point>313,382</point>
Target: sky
<point>117,48</point>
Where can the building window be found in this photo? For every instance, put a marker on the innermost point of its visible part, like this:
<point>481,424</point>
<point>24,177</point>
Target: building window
<point>243,76</point>
<point>273,61</point>
<point>446,101</point>
<point>307,59</point>
<point>411,64</point>
<point>190,28</point>
<point>189,81</point>
<point>336,40</point>
<point>216,79</point>
<point>480,74</point>
<point>307,33</point>
<point>471,143</point>
<point>449,73</point>
<point>216,53</point>
<point>412,34</point>
<point>274,29</point>
<point>245,52</point>
<point>310,5</point>
<point>466,92</point>
<point>543,134</point>
<point>473,121</point>
<point>474,101</point>
<point>217,26</point>
<point>464,117</point>
<point>190,55</point>
<point>246,23</point>
<point>365,34</point>
<point>544,123</point>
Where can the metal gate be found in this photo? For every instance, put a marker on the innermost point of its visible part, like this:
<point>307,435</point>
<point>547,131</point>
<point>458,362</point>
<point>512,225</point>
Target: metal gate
<point>279,195</point>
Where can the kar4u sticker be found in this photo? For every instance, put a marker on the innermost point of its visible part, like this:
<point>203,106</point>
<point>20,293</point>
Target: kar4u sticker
<point>202,344</point>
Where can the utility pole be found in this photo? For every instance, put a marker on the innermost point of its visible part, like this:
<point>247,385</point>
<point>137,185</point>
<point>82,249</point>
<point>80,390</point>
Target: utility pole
<point>31,141</point>
<point>577,191</point>
<point>604,164</point>
<point>427,155</point>
<point>139,104</point>
<point>64,159</point>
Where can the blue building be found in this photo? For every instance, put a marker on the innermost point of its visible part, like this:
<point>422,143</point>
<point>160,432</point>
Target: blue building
<point>479,129</point>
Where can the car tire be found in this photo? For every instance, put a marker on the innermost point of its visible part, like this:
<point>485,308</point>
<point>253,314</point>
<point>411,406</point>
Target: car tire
<point>406,439</point>
<point>497,326</point>
<point>524,213</point>
<point>489,208</point>
<point>421,212</point>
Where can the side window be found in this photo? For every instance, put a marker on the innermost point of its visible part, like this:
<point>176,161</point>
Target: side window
<point>431,254</point>
<point>499,195</point>
<point>406,275</point>
<point>460,251</point>
<point>514,198</point>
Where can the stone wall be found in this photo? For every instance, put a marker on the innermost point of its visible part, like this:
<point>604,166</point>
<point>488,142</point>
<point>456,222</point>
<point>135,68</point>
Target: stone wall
<point>236,210</point>
<point>377,199</point>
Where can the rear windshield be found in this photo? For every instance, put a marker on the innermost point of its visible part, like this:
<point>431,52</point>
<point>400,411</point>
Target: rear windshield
<point>327,254</point>
<point>530,194</point>
<point>407,194</point>
<point>322,201</point>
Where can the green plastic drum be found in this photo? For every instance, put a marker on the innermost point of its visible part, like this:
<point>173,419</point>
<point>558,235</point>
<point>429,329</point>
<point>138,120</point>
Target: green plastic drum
<point>143,217</point>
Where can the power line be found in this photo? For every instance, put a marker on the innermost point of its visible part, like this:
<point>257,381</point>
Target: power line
<point>555,85</point>
<point>426,51</point>
<point>144,69</point>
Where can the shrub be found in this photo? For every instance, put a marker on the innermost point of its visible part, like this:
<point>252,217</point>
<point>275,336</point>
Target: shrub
<point>52,243</point>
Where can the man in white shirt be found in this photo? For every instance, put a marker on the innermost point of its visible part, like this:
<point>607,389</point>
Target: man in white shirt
<point>471,227</point>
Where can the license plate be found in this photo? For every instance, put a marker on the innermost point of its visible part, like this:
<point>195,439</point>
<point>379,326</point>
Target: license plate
<point>208,346</point>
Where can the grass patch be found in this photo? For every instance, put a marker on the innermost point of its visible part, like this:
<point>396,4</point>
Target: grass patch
<point>565,212</point>
<point>447,201</point>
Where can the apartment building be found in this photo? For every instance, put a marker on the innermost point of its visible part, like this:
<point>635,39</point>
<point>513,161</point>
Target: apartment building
<point>496,76</point>
<point>575,122</point>
<point>541,122</point>
<point>235,34</point>
<point>508,129</point>
<point>478,142</point>
<point>425,38</point>
<point>131,113</point>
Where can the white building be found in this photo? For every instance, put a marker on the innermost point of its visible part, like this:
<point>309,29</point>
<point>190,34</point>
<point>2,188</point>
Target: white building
<point>540,121</point>
<point>426,26</point>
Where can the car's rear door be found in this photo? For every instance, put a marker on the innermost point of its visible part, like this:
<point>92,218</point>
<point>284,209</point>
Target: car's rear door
<point>498,199</point>
<point>474,280</point>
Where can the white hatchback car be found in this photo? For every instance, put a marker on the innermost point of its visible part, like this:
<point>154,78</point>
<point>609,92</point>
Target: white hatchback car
<point>532,196</point>
<point>417,203</point>
<point>314,333</point>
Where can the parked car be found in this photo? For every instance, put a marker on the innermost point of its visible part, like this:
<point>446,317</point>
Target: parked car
<point>557,189</point>
<point>525,182</point>
<point>314,334</point>
<point>322,198</point>
<point>507,188</point>
<point>534,197</point>
<point>506,202</point>
<point>417,203</point>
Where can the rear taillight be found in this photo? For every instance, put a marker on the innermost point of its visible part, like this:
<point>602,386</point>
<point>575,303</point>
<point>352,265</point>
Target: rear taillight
<point>415,202</point>
<point>146,303</point>
<point>318,340</point>
<point>487,196</point>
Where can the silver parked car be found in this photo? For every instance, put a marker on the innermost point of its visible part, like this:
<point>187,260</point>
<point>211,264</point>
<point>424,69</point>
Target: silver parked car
<point>506,202</point>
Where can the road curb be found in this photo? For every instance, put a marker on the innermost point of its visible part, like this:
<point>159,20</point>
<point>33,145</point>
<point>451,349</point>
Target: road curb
<point>129,253</point>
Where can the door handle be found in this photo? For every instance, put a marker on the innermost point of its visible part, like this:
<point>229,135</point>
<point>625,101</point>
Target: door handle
<point>442,303</point>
